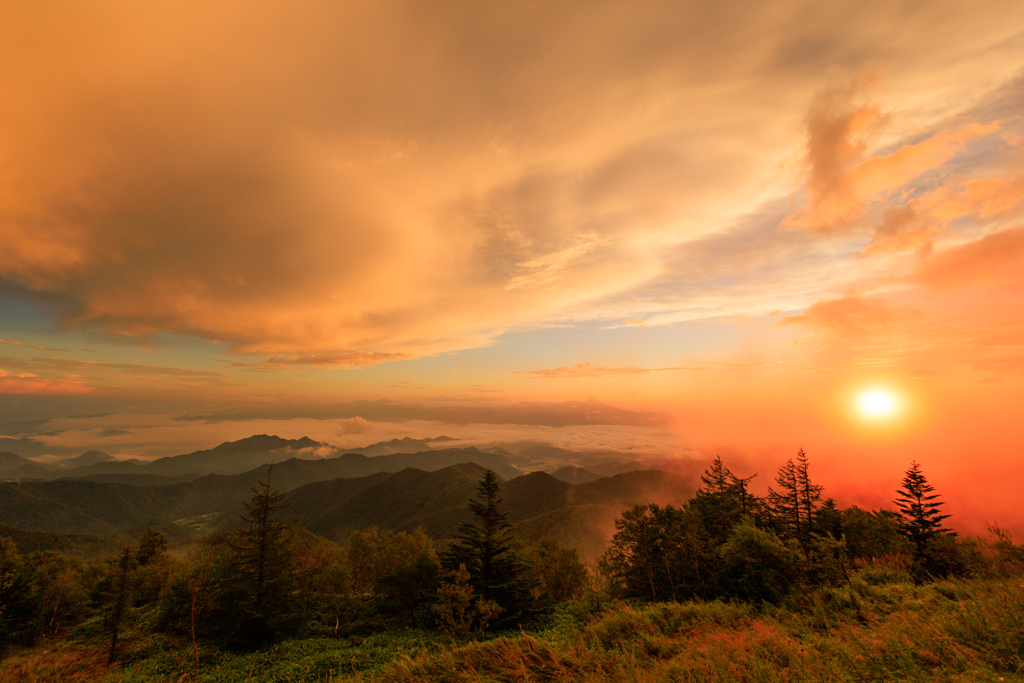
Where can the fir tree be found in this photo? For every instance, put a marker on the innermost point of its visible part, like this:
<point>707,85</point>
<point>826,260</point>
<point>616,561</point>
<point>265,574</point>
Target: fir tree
<point>810,494</point>
<point>922,520</point>
<point>722,500</point>
<point>263,565</point>
<point>785,505</point>
<point>795,505</point>
<point>486,547</point>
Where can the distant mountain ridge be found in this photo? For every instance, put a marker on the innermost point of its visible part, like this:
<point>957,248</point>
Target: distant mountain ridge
<point>85,459</point>
<point>403,445</point>
<point>12,461</point>
<point>230,457</point>
<point>234,457</point>
<point>237,457</point>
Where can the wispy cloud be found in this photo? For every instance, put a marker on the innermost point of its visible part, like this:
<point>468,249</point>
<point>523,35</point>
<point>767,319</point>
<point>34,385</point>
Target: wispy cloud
<point>591,370</point>
<point>37,347</point>
<point>325,360</point>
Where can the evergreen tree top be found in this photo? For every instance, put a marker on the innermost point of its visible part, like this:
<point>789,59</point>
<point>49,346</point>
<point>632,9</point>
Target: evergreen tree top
<point>919,508</point>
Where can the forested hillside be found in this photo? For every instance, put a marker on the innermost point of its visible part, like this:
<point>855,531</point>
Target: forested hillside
<point>351,576</point>
<point>331,496</point>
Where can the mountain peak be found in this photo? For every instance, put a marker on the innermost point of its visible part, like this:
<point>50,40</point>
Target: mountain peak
<point>262,443</point>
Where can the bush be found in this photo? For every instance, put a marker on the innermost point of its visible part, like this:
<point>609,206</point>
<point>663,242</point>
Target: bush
<point>758,565</point>
<point>826,561</point>
<point>945,555</point>
<point>560,573</point>
<point>459,611</point>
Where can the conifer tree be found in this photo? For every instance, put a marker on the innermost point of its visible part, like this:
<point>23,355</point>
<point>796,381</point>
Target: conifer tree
<point>262,556</point>
<point>810,494</point>
<point>796,503</point>
<point>263,565</point>
<point>486,547</point>
<point>922,520</point>
<point>785,503</point>
<point>722,500</point>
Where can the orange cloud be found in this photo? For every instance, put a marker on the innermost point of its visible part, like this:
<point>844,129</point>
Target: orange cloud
<point>901,229</point>
<point>835,131</point>
<point>840,181</point>
<point>996,258</point>
<point>986,197</point>
<point>351,185</point>
<point>28,383</point>
<point>854,315</point>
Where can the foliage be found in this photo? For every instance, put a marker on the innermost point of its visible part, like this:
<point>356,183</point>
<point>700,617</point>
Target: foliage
<point>117,597</point>
<point>399,571</point>
<point>660,553</point>
<point>486,547</point>
<point>259,594</point>
<point>757,565</point>
<point>922,520</point>
<point>459,610</point>
<point>873,533</point>
<point>722,501</point>
<point>840,603</point>
<point>855,633</point>
<point>558,572</point>
<point>827,561</point>
<point>16,611</point>
<point>151,546</point>
<point>795,505</point>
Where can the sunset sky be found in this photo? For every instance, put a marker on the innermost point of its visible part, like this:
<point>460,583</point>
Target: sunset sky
<point>667,229</point>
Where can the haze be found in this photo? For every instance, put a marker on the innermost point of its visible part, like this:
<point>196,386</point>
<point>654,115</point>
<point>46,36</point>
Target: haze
<point>668,229</point>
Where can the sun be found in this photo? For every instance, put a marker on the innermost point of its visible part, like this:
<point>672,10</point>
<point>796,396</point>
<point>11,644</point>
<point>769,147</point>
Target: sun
<point>878,403</point>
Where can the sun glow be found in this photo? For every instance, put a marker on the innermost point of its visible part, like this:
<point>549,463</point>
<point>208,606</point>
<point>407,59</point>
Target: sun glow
<point>877,403</point>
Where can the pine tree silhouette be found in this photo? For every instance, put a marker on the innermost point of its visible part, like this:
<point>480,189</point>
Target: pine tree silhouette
<point>796,505</point>
<point>810,494</point>
<point>263,567</point>
<point>263,557</point>
<point>922,520</point>
<point>722,500</point>
<point>486,547</point>
<point>786,505</point>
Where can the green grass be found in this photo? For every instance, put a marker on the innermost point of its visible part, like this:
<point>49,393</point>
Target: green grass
<point>946,631</point>
<point>969,631</point>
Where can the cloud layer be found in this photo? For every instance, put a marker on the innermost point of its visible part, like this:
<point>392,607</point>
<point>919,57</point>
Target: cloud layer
<point>359,184</point>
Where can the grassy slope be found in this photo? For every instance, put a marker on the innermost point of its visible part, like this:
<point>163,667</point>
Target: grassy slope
<point>971,631</point>
<point>948,631</point>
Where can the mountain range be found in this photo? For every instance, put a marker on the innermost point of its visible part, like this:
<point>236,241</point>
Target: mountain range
<point>330,494</point>
<point>333,508</point>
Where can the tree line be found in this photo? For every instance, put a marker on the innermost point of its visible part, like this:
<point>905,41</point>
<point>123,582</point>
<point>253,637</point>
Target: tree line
<point>727,543</point>
<point>273,580</point>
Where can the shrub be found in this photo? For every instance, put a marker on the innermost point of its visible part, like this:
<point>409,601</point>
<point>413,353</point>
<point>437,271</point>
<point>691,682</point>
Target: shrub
<point>758,565</point>
<point>459,611</point>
